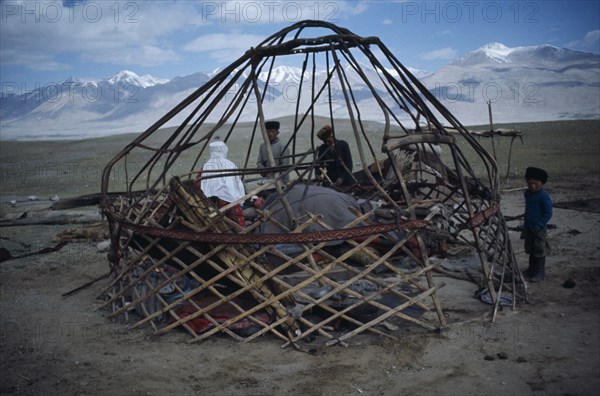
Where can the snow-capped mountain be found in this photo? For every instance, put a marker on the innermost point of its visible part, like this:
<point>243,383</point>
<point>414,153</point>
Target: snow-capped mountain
<point>282,75</point>
<point>522,83</point>
<point>532,55</point>
<point>129,77</point>
<point>533,83</point>
<point>122,103</point>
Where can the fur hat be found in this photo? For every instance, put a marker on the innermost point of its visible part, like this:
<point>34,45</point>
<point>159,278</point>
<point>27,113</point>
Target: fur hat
<point>536,174</point>
<point>324,132</point>
<point>272,125</point>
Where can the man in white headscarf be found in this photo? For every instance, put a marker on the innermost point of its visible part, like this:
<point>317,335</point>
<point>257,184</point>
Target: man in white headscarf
<point>226,188</point>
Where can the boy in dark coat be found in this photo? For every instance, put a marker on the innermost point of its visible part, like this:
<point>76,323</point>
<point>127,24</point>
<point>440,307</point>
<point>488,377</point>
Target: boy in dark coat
<point>538,211</point>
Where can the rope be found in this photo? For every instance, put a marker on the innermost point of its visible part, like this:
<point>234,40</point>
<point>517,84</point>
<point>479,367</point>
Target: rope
<point>271,239</point>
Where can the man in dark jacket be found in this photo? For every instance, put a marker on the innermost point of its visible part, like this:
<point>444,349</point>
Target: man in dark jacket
<point>335,156</point>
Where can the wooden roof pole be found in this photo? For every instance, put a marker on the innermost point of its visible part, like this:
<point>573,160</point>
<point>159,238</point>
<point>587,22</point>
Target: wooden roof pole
<point>277,176</point>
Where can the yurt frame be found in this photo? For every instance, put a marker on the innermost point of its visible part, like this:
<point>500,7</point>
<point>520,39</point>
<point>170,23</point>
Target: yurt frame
<point>178,260</point>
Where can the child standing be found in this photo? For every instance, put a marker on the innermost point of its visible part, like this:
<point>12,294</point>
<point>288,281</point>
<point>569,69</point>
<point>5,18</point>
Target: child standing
<point>538,211</point>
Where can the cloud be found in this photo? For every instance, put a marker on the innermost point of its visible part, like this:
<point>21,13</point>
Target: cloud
<point>43,33</point>
<point>591,41</point>
<point>103,32</point>
<point>223,42</point>
<point>356,9</point>
<point>592,38</point>
<point>245,12</point>
<point>387,21</point>
<point>446,53</point>
<point>31,60</point>
<point>147,55</point>
<point>223,47</point>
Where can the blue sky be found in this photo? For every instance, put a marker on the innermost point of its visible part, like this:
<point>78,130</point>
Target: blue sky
<point>45,42</point>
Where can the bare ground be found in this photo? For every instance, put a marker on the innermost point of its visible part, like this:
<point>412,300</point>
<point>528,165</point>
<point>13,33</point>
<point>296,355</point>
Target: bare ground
<point>62,345</point>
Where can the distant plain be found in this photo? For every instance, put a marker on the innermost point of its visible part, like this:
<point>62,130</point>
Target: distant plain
<point>74,167</point>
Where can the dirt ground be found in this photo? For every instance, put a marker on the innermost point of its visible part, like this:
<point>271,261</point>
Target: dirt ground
<point>55,345</point>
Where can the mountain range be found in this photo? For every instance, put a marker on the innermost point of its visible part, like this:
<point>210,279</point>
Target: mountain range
<point>535,83</point>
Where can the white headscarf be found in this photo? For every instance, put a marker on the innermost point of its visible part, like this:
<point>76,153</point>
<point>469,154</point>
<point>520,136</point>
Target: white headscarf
<point>227,188</point>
